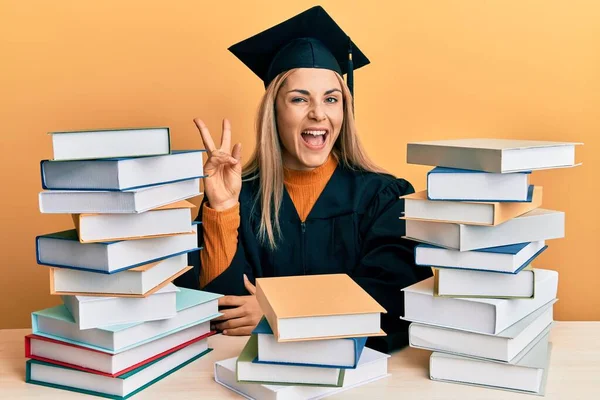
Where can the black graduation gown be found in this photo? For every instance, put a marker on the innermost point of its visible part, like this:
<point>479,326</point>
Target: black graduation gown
<point>353,228</point>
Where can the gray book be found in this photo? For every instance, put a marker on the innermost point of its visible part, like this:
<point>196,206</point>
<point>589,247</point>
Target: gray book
<point>493,155</point>
<point>527,373</point>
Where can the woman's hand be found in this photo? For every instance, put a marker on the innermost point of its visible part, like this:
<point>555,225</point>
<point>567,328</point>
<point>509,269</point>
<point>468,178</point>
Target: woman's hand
<point>223,168</point>
<point>243,318</point>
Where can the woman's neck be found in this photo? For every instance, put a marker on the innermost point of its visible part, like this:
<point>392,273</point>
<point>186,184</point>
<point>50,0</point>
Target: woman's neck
<point>307,177</point>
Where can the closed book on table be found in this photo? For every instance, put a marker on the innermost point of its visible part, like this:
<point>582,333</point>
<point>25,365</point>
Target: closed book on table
<point>106,143</point>
<point>504,259</point>
<point>371,367</point>
<point>140,281</point>
<point>337,353</point>
<point>194,307</point>
<point>527,374</point>
<point>122,173</point>
<point>169,220</point>
<point>504,346</point>
<point>492,155</point>
<point>539,224</point>
<point>63,249</point>
<point>129,201</point>
<point>468,185</point>
<point>480,315</point>
<point>120,387</point>
<point>333,306</point>
<point>101,363</point>
<point>464,283</point>
<point>418,207</point>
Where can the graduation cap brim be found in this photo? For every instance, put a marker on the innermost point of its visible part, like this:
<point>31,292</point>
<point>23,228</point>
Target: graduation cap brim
<point>311,39</point>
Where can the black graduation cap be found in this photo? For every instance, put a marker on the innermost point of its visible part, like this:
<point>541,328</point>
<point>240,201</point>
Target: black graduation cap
<point>311,39</point>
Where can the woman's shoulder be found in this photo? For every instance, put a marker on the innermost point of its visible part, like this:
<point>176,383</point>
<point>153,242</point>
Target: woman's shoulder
<point>378,183</point>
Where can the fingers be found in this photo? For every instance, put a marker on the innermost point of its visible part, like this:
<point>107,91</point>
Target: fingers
<point>226,136</point>
<point>237,151</point>
<point>234,323</point>
<point>209,145</point>
<point>231,313</point>
<point>249,286</point>
<point>242,331</point>
<point>231,301</point>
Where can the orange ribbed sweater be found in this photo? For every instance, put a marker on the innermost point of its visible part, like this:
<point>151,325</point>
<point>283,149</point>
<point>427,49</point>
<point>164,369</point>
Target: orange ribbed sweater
<point>220,228</point>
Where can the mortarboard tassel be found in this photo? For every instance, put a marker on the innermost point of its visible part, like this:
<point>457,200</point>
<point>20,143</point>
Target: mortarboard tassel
<point>350,74</point>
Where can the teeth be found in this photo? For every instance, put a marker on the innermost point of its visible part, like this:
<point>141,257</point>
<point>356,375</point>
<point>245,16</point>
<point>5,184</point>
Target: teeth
<point>315,133</point>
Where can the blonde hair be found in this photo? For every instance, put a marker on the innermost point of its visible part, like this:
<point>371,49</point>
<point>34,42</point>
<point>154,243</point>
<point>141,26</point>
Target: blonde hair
<point>266,162</point>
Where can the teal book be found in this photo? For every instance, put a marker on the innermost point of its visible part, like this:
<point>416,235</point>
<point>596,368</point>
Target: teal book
<point>193,307</point>
<point>120,387</point>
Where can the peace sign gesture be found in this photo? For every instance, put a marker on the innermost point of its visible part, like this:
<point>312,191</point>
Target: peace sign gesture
<point>223,168</point>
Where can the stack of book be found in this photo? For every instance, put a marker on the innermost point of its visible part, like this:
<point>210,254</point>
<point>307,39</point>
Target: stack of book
<point>486,313</point>
<point>123,325</point>
<point>311,341</point>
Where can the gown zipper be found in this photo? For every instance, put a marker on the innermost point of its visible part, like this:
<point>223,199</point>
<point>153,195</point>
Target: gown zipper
<point>303,226</point>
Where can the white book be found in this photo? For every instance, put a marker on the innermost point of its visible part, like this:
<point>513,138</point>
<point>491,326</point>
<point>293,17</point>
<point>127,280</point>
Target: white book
<point>504,346</point>
<point>193,307</point>
<point>528,373</point>
<point>107,143</point>
<point>170,219</point>
<point>46,374</point>
<point>466,283</point>
<point>63,249</point>
<point>114,364</point>
<point>116,202</point>
<point>138,281</point>
<point>480,315</point>
<point>468,185</point>
<point>371,366</point>
<point>507,259</point>
<point>93,312</point>
<point>493,155</point>
<point>122,173</point>
<point>539,224</point>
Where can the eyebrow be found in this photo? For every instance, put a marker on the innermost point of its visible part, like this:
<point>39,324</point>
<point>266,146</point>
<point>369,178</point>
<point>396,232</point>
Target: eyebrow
<point>307,93</point>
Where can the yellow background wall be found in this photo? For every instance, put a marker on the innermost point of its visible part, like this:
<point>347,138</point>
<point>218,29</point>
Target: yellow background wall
<point>440,69</point>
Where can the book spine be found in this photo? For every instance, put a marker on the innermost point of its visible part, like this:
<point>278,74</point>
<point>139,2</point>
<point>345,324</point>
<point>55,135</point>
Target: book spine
<point>267,310</point>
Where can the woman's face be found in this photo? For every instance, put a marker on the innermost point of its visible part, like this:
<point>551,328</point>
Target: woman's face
<point>310,112</point>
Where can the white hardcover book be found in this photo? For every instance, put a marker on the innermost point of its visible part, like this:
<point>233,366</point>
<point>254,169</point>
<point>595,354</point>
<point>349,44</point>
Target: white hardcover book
<point>167,220</point>
<point>504,346</point>
<point>137,281</point>
<point>465,283</point>
<point>538,224</point>
<point>493,155</point>
<point>117,202</point>
<point>63,249</point>
<point>93,312</point>
<point>468,185</point>
<point>506,259</point>
<point>528,373</point>
<point>371,366</point>
<point>480,315</point>
<point>107,143</point>
<point>114,364</point>
<point>122,173</point>
<point>193,307</point>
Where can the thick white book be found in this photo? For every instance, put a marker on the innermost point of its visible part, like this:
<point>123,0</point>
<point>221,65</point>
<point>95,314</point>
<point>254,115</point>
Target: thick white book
<point>108,143</point>
<point>528,373</point>
<point>506,259</point>
<point>63,249</point>
<point>170,219</point>
<point>466,283</point>
<point>117,202</point>
<point>468,185</point>
<point>93,312</point>
<point>480,315</point>
<point>194,307</point>
<point>504,346</point>
<point>372,366</point>
<point>136,282</point>
<point>122,173</point>
<point>539,224</point>
<point>493,155</point>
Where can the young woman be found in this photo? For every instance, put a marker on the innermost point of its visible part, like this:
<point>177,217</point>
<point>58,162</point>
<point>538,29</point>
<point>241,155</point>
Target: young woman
<point>309,200</point>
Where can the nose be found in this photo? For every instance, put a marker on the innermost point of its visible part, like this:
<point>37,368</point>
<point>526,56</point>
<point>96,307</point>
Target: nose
<point>317,113</point>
